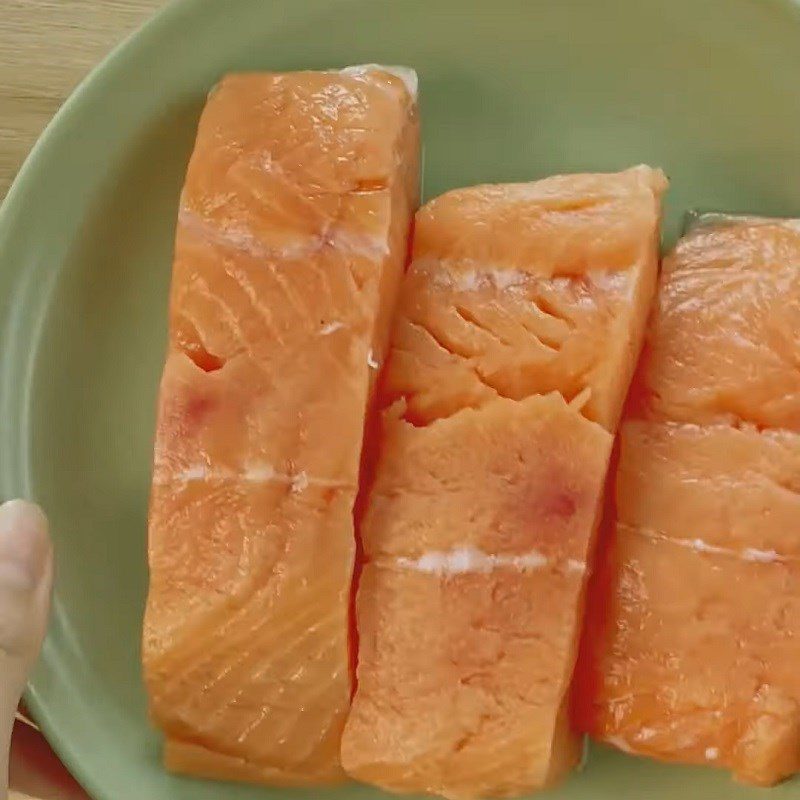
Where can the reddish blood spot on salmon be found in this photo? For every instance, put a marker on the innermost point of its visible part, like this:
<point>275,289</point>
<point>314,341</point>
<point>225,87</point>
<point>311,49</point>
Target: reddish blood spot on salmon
<point>559,503</point>
<point>197,409</point>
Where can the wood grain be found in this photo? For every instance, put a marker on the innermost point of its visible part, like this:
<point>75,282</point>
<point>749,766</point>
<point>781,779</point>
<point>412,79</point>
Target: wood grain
<point>46,48</point>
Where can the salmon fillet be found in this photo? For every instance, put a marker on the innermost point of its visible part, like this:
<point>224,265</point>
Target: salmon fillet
<point>725,346</point>
<point>291,242</point>
<point>526,289</point>
<point>519,324</point>
<point>697,659</point>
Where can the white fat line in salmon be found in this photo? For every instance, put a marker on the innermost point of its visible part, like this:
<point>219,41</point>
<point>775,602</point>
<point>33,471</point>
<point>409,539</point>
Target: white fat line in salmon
<point>710,753</point>
<point>701,546</point>
<point>472,278</point>
<point>463,560</point>
<point>244,241</point>
<point>331,327</point>
<point>256,473</point>
<point>406,74</point>
<point>581,399</point>
<point>620,744</point>
<point>467,275</point>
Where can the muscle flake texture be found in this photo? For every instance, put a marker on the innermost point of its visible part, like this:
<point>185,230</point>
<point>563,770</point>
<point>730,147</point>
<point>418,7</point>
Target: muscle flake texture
<point>291,241</point>
<point>694,658</point>
<point>519,325</point>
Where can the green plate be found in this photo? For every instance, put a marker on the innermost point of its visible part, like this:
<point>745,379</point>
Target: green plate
<point>511,90</point>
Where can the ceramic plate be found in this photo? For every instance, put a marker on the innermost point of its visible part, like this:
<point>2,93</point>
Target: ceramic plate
<point>511,90</point>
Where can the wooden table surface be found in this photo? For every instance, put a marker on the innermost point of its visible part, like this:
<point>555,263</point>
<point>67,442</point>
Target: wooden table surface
<point>46,48</point>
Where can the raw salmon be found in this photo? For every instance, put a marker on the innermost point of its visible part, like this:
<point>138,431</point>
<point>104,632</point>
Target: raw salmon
<point>291,242</point>
<point>526,289</point>
<point>518,328</point>
<point>725,347</point>
<point>697,659</point>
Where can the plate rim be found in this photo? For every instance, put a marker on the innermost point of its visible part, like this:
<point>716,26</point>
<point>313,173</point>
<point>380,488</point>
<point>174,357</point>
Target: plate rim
<point>21,193</point>
<point>152,27</point>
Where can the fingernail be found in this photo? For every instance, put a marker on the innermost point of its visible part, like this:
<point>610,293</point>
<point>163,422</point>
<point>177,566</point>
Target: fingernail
<point>24,539</point>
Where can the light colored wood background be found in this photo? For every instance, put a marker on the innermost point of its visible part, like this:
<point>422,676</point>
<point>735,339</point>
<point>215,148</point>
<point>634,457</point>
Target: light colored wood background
<point>46,47</point>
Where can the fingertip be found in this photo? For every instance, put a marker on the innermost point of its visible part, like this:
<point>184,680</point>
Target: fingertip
<point>25,538</point>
